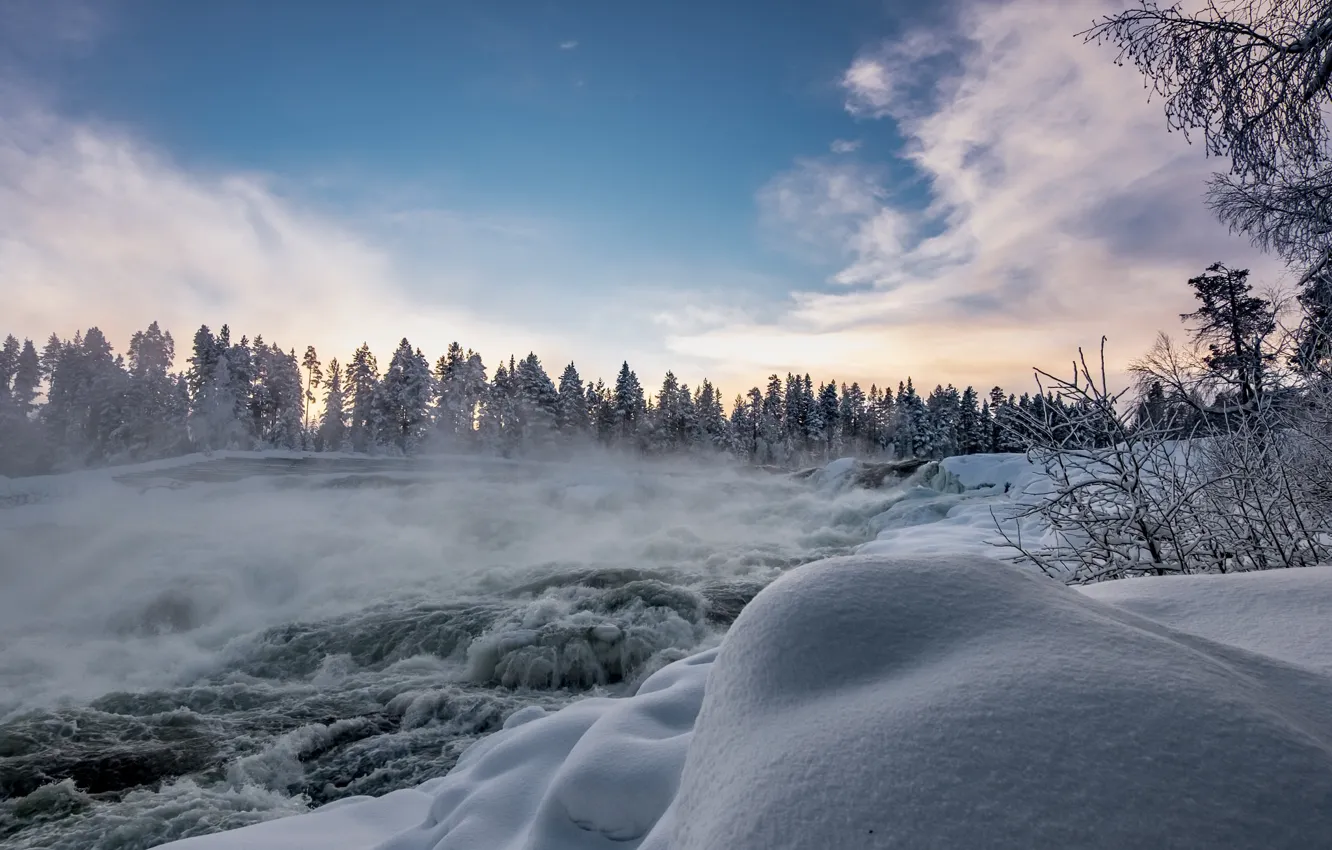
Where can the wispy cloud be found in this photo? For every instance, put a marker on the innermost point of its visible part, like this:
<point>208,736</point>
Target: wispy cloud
<point>99,227</point>
<point>901,76</point>
<point>845,145</point>
<point>1058,209</point>
<point>571,44</point>
<point>96,227</point>
<point>43,23</point>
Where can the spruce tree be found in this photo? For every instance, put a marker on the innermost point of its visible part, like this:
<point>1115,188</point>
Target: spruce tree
<point>333,423</point>
<point>629,405</point>
<point>26,379</point>
<point>449,394</point>
<point>536,404</point>
<point>1235,326</point>
<point>404,397</point>
<point>314,375</point>
<point>153,429</point>
<point>830,413</point>
<point>971,437</point>
<point>572,413</point>
<point>362,387</point>
<point>9,354</point>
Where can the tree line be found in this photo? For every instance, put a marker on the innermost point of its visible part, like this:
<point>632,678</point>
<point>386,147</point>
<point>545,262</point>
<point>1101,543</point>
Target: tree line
<point>77,403</point>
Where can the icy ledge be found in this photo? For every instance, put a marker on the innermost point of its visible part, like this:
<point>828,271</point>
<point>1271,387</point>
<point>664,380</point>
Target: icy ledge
<point>873,702</point>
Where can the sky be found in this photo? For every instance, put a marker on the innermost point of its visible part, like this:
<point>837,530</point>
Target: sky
<point>859,189</point>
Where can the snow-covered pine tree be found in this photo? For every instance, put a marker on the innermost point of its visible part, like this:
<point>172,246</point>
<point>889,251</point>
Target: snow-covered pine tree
<point>971,428</point>
<point>286,399</point>
<point>816,437</point>
<point>90,384</point>
<point>711,415</point>
<point>404,398</point>
<point>997,399</point>
<point>213,422</point>
<point>495,426</point>
<point>105,389</point>
<point>241,375</point>
<point>572,414</point>
<point>55,414</point>
<point>475,385</point>
<point>875,428</point>
<point>886,416</point>
<point>9,354</point>
<point>202,365</point>
<point>686,430</point>
<point>793,424</point>
<point>851,417</point>
<point>314,375</point>
<point>259,404</point>
<point>830,411</point>
<point>151,395</point>
<point>664,429</point>
<point>740,430</point>
<point>22,451</point>
<point>601,410</point>
<point>362,386</point>
<point>536,405</point>
<point>912,435</point>
<point>449,400</point>
<point>332,433</point>
<point>27,377</point>
<point>771,431</point>
<point>943,424</point>
<point>630,407</point>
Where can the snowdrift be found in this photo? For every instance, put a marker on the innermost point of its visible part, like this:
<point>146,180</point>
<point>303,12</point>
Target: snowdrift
<point>876,702</point>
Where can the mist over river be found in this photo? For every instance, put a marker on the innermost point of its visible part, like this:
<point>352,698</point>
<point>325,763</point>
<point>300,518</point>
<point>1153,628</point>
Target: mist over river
<point>194,647</point>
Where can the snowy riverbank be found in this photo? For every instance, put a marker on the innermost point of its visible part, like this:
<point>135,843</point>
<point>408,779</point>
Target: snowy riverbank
<point>935,702</point>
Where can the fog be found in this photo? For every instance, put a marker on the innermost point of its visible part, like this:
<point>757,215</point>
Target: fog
<point>249,635</point>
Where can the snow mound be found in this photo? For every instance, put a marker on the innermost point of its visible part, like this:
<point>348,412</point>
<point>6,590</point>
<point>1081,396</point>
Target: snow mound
<point>875,702</point>
<point>872,702</point>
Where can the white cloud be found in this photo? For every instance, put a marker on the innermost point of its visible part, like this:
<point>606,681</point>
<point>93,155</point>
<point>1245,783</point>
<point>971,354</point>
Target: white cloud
<point>1057,209</point>
<point>869,85</point>
<point>569,45</point>
<point>895,78</point>
<point>98,228</point>
<point>95,228</point>
<point>845,145</point>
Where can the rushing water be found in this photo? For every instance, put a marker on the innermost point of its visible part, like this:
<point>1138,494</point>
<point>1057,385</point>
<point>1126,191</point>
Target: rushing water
<point>194,649</point>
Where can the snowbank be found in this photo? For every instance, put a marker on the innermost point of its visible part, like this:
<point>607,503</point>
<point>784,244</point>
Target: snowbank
<point>996,472</point>
<point>867,702</point>
<point>914,702</point>
<point>1280,613</point>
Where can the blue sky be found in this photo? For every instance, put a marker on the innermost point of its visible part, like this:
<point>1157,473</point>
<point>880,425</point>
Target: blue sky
<point>857,188</point>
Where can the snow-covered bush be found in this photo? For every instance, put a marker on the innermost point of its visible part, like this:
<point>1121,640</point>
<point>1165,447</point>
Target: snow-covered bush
<point>1171,493</point>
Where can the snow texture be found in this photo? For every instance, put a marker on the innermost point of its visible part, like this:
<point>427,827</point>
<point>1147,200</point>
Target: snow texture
<point>915,702</point>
